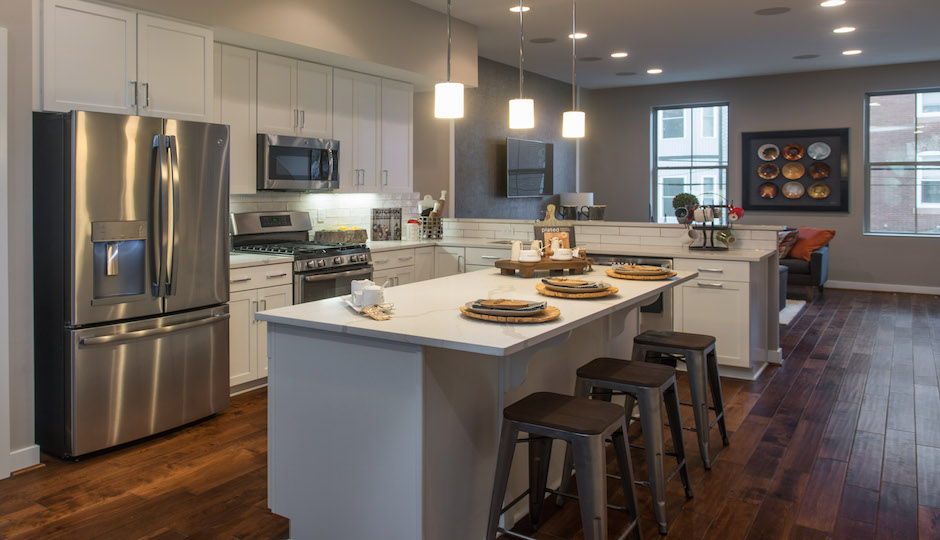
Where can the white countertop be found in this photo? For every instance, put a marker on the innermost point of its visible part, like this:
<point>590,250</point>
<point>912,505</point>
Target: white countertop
<point>427,312</point>
<point>748,255</point>
<point>241,260</point>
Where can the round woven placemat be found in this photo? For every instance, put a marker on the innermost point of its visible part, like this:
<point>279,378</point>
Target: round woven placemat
<point>542,289</point>
<point>550,313</point>
<point>613,274</point>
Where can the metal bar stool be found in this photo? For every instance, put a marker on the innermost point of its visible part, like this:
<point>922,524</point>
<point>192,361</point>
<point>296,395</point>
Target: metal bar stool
<point>649,385</point>
<point>698,353</point>
<point>583,423</point>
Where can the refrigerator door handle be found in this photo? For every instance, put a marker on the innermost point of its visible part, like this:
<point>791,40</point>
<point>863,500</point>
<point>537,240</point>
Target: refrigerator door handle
<point>150,332</point>
<point>329,176</point>
<point>158,220</point>
<point>173,233</point>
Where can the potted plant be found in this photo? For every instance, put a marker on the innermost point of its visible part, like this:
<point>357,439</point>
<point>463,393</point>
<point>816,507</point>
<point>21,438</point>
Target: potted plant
<point>684,204</point>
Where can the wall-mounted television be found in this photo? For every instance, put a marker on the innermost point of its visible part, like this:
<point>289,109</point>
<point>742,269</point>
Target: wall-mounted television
<point>528,168</point>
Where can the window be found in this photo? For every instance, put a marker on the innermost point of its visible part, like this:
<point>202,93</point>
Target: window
<point>690,149</point>
<point>903,163</point>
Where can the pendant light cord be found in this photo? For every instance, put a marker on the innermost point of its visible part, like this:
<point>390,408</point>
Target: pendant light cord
<point>574,40</point>
<point>448,40</point>
<point>521,42</point>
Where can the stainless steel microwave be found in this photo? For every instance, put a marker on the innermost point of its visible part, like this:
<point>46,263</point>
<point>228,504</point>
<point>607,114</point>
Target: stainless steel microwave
<point>297,163</point>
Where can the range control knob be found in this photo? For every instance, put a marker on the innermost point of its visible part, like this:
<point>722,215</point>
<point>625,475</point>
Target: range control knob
<point>338,260</point>
<point>354,258</point>
<point>321,263</point>
<point>311,264</point>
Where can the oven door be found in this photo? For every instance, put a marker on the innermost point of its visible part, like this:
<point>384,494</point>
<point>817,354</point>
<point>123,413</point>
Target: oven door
<point>297,163</point>
<point>317,286</point>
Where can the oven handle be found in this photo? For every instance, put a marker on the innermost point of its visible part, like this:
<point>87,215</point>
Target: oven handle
<point>325,277</point>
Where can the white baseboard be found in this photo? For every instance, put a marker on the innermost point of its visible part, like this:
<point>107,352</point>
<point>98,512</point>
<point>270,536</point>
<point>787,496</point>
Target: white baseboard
<point>882,287</point>
<point>24,458</point>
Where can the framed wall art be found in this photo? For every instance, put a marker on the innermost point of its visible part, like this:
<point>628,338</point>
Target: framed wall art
<point>800,171</point>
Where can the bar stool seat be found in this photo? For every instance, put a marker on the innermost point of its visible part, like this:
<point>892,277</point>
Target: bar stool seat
<point>583,423</point>
<point>650,386</point>
<point>699,353</point>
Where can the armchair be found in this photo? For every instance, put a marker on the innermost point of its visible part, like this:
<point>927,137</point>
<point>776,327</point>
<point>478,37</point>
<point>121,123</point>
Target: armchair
<point>811,274</point>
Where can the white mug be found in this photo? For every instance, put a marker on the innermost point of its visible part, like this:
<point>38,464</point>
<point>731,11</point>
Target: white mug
<point>529,255</point>
<point>359,284</point>
<point>516,248</point>
<point>563,254</point>
<point>556,243</point>
<point>703,214</point>
<point>536,245</point>
<point>372,295</point>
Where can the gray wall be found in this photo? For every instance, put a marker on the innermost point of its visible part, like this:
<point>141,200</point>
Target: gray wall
<point>431,148</point>
<point>616,156</point>
<point>480,141</point>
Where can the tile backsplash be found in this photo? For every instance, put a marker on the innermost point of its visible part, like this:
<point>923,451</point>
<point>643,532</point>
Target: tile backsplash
<point>329,210</point>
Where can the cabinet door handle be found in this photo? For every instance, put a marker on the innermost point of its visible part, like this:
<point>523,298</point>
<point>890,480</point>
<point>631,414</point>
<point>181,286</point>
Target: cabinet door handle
<point>396,281</point>
<point>303,118</point>
<point>273,276</point>
<point>264,305</point>
<point>146,95</point>
<point>405,258</point>
<point>254,309</point>
<point>715,270</point>
<point>385,172</point>
<point>491,257</point>
<point>240,280</point>
<point>460,258</point>
<point>711,285</point>
<point>295,118</point>
<point>134,84</point>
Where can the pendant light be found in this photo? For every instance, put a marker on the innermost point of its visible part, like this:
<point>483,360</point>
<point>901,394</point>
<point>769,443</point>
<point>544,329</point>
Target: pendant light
<point>448,96</point>
<point>521,111</point>
<point>572,122</point>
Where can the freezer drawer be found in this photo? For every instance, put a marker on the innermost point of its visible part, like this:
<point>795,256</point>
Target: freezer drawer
<point>132,380</point>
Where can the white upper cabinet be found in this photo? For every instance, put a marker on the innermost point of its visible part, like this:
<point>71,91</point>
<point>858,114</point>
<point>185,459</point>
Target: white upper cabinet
<point>356,117</point>
<point>294,97</point>
<point>106,59</point>
<point>89,57</point>
<point>397,115</point>
<point>174,69</point>
<point>236,105</point>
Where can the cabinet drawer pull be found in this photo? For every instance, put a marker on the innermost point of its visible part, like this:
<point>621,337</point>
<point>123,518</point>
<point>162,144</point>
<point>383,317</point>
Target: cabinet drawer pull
<point>273,276</point>
<point>711,285</point>
<point>716,270</point>
<point>383,261</point>
<point>405,258</point>
<point>491,257</point>
<point>241,280</point>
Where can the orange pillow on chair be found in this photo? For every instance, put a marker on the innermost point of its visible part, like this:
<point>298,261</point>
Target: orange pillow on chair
<point>809,241</point>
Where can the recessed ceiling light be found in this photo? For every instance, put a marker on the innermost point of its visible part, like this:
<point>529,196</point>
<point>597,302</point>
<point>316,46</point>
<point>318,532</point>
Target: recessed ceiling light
<point>577,35</point>
<point>772,11</point>
<point>832,3</point>
<point>625,73</point>
<point>618,55</point>
<point>875,104</point>
<point>852,52</point>
<point>542,40</point>
<point>515,9</point>
<point>654,71</point>
<point>916,131</point>
<point>805,56</point>
<point>844,29</point>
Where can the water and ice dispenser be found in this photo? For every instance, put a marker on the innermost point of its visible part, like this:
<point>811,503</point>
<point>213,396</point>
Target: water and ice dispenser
<point>120,249</point>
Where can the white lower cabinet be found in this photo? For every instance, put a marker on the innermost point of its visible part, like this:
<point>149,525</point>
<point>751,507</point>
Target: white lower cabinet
<point>449,260</point>
<point>424,263</point>
<point>395,276</point>
<point>248,355</point>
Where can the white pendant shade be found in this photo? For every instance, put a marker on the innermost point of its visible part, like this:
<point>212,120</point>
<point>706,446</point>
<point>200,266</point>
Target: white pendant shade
<point>448,100</point>
<point>572,124</point>
<point>521,114</point>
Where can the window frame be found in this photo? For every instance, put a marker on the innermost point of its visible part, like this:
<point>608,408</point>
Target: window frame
<point>916,164</point>
<point>713,124</point>
<point>657,212</point>
<point>685,131</point>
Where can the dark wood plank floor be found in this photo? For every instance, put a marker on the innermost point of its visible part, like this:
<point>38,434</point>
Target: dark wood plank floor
<point>842,441</point>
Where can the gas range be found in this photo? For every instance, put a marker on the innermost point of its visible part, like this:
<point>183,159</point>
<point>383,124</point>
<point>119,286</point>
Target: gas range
<point>310,256</point>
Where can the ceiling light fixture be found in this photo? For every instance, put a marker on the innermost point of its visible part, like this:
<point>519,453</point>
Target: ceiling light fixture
<point>517,9</point>
<point>572,122</point>
<point>852,52</point>
<point>576,35</point>
<point>654,71</point>
<point>618,55</point>
<point>448,96</point>
<point>844,29</point>
<point>874,104</point>
<point>832,3</point>
<point>521,111</point>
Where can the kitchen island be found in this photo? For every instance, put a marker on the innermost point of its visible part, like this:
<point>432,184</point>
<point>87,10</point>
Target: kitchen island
<point>389,429</point>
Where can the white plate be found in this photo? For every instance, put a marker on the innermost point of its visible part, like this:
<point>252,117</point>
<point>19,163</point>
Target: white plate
<point>534,309</point>
<point>597,287</point>
<point>629,272</point>
<point>386,307</point>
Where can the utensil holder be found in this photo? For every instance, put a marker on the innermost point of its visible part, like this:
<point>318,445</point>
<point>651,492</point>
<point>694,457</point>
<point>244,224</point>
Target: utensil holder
<point>430,228</point>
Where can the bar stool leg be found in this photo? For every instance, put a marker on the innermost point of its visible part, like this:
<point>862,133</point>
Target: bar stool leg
<point>582,388</point>
<point>540,453</point>
<point>640,353</point>
<point>507,446</point>
<point>714,382</point>
<point>651,419</point>
<point>671,399</point>
<point>625,466</point>
<point>698,386</point>
<point>591,475</point>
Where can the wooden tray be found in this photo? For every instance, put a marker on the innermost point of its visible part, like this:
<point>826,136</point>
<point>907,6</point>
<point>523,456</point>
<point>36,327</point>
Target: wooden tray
<point>574,266</point>
<point>542,289</point>
<point>550,313</point>
<point>614,274</point>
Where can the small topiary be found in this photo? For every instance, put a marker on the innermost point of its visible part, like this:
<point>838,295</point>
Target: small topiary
<point>684,200</point>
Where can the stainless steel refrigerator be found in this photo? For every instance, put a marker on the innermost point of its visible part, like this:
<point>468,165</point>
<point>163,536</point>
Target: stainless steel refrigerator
<point>131,277</point>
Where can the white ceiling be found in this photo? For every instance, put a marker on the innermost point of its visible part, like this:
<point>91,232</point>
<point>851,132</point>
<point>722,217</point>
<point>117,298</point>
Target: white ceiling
<point>698,40</point>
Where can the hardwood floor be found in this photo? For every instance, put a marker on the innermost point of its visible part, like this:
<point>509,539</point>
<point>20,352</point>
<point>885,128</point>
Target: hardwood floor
<point>842,441</point>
